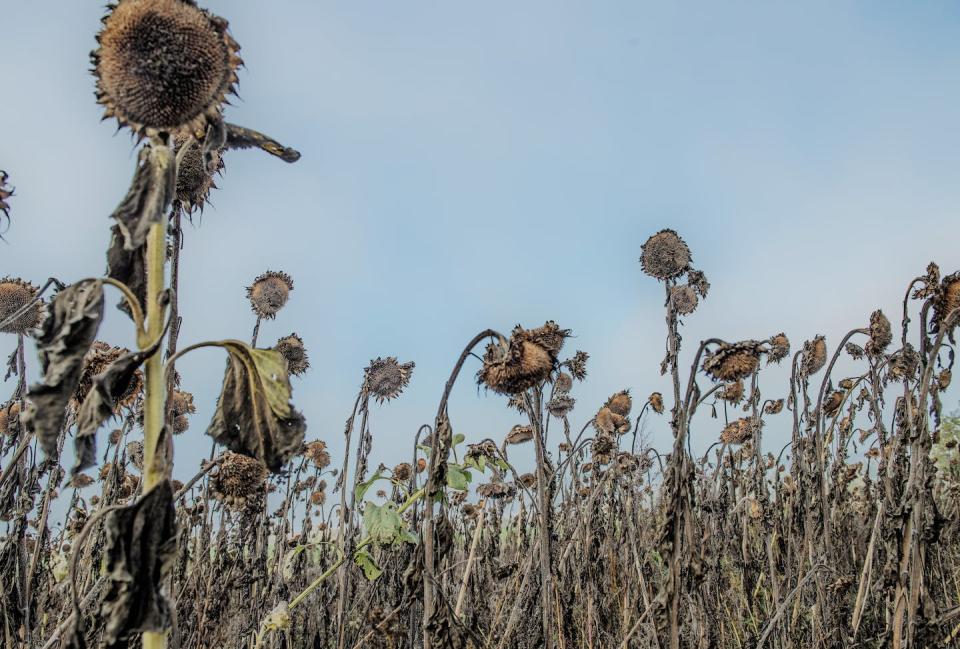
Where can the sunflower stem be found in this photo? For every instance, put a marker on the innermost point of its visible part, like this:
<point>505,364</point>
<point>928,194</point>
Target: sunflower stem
<point>155,389</point>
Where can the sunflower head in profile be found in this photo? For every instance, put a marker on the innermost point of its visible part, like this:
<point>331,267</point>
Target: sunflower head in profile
<point>164,66</point>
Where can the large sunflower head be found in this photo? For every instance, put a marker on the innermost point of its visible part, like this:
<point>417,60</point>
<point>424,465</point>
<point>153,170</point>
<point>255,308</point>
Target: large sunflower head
<point>164,65</point>
<point>16,294</point>
<point>98,358</point>
<point>946,300</point>
<point>814,356</point>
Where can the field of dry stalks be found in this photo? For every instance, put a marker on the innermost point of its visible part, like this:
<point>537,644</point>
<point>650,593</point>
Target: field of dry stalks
<point>846,537</point>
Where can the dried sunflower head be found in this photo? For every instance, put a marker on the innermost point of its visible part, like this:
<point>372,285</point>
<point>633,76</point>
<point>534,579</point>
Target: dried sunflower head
<point>683,299</point>
<point>15,294</point>
<point>164,66</point>
<point>239,482</point>
<point>656,402</point>
<point>621,403</point>
<point>831,406</point>
<point>814,356</point>
<point>578,365</point>
<point>528,480</point>
<point>292,349</point>
<point>561,405</point>
<point>698,282</point>
<point>563,383</point>
<point>773,407</point>
<point>402,472</point>
<point>195,176</point>
<point>317,453</point>
<point>626,462</point>
<point>10,418</point>
<point>496,490</point>
<point>665,256</point>
<point>778,348</point>
<point>946,300</point>
<point>269,293</point>
<point>732,392</point>
<point>880,334</point>
<point>181,405</point>
<point>135,454</point>
<point>98,358</point>
<point>385,378</point>
<point>738,431</point>
<point>5,193</point>
<point>519,434</point>
<point>527,359</point>
<point>733,362</point>
<point>602,448</point>
<point>80,481</point>
<point>609,422</point>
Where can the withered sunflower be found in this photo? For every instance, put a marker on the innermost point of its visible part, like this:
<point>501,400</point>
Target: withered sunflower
<point>195,177</point>
<point>665,255</point>
<point>684,299</point>
<point>527,359</point>
<point>385,378</point>
<point>779,348</point>
<point>813,357</point>
<point>946,300</point>
<point>239,482</point>
<point>15,294</point>
<point>292,349</point>
<point>733,362</point>
<point>269,293</point>
<point>880,334</point>
<point>164,66</point>
<point>98,358</point>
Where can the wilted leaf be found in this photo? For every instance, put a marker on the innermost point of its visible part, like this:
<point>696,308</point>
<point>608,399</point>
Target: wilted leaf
<point>128,267</point>
<point>153,188</point>
<point>101,403</point>
<point>370,568</point>
<point>140,547</point>
<point>239,137</point>
<point>254,415</point>
<point>364,487</point>
<point>384,524</point>
<point>66,337</point>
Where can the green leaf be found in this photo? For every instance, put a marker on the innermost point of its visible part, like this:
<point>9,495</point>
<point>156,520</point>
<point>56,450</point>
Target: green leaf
<point>458,439</point>
<point>364,487</point>
<point>457,478</point>
<point>370,568</point>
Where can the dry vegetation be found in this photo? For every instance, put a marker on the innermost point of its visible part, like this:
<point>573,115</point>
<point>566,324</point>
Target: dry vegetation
<point>846,537</point>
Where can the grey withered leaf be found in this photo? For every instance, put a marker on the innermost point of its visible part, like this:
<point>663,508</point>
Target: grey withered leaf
<point>150,194</point>
<point>239,137</point>
<point>254,415</point>
<point>140,548</point>
<point>101,403</point>
<point>65,338</point>
<point>128,267</point>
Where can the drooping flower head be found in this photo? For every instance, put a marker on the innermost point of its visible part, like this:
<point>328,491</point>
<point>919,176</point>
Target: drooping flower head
<point>525,360</point>
<point>733,362</point>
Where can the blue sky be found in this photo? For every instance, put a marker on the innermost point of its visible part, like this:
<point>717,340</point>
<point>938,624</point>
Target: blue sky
<point>474,165</point>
